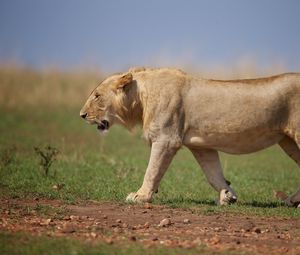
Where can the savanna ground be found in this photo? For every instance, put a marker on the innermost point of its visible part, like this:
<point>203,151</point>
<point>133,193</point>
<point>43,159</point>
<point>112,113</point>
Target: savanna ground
<point>78,206</point>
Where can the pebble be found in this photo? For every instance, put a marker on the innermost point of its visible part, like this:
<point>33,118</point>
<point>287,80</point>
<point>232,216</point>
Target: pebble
<point>119,221</point>
<point>186,221</point>
<point>133,238</point>
<point>74,217</point>
<point>109,240</point>
<point>68,229</point>
<point>93,234</point>
<point>117,230</point>
<point>215,240</point>
<point>148,206</point>
<point>257,230</point>
<point>45,222</point>
<point>165,222</point>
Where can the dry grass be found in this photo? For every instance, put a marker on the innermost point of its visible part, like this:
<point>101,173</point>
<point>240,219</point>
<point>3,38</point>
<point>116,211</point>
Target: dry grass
<point>21,86</point>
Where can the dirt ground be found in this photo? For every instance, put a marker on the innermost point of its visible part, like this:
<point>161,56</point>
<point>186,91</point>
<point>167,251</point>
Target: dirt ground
<point>151,225</point>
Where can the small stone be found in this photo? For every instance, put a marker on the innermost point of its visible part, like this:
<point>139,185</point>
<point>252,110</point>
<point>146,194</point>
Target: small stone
<point>257,230</point>
<point>215,240</point>
<point>109,240</point>
<point>3,222</point>
<point>93,234</point>
<point>147,225</point>
<point>165,222</point>
<point>147,206</point>
<point>133,238</point>
<point>119,221</point>
<point>124,225</point>
<point>155,238</point>
<point>68,229</point>
<point>284,249</point>
<point>104,216</point>
<point>45,222</point>
<point>186,221</point>
<point>117,230</point>
<point>74,217</point>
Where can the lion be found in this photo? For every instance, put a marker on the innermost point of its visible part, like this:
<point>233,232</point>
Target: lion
<point>176,109</point>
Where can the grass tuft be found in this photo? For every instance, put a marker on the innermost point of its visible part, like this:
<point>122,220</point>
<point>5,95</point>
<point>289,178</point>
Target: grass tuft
<point>47,157</point>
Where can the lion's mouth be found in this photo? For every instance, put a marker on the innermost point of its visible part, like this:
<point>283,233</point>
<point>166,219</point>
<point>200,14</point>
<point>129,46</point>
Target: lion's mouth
<point>103,125</point>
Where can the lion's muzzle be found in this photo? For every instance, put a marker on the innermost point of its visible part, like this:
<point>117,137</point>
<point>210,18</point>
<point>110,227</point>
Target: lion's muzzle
<point>83,115</point>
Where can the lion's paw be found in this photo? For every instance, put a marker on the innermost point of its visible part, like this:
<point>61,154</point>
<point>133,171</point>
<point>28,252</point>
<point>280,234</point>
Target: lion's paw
<point>135,197</point>
<point>227,197</point>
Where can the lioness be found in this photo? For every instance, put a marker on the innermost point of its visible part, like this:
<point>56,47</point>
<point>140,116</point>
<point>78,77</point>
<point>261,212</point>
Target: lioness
<point>207,116</point>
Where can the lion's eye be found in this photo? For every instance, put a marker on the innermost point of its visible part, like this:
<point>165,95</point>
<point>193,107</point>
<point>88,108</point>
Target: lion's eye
<point>97,96</point>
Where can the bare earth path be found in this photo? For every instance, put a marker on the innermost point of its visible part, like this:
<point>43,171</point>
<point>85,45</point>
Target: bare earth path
<point>119,224</point>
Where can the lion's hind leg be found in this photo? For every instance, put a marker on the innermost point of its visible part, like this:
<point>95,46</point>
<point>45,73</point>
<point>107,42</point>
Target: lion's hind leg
<point>210,163</point>
<point>291,148</point>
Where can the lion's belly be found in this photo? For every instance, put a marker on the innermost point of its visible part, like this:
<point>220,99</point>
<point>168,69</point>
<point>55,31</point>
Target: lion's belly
<point>234,143</point>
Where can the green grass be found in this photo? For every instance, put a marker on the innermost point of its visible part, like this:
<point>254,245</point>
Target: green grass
<point>91,166</point>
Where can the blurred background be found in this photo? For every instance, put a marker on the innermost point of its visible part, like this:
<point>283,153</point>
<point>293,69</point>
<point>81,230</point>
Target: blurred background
<point>204,35</point>
<point>71,45</point>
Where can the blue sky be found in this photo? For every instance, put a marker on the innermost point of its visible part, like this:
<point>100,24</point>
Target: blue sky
<point>115,34</point>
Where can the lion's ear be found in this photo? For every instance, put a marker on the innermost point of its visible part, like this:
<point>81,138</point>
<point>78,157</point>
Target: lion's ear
<point>125,80</point>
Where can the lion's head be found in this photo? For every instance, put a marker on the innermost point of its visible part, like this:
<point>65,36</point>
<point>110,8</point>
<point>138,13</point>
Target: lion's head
<point>109,102</point>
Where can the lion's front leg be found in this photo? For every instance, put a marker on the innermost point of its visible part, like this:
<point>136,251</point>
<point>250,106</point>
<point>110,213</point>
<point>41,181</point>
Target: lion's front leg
<point>160,158</point>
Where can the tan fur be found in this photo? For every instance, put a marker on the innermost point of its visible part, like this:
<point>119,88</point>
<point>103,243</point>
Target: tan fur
<point>175,109</point>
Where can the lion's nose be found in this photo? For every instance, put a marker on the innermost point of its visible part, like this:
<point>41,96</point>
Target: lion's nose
<point>83,115</point>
